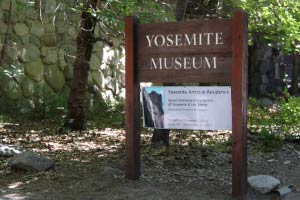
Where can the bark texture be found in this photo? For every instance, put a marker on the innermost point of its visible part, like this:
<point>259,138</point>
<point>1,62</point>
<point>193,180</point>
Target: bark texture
<point>85,42</point>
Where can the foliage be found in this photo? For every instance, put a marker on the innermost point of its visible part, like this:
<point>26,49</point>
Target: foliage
<point>275,123</point>
<point>107,114</point>
<point>278,21</point>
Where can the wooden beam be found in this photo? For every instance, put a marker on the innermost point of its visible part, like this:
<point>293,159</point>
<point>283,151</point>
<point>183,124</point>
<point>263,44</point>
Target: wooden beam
<point>132,103</point>
<point>239,104</point>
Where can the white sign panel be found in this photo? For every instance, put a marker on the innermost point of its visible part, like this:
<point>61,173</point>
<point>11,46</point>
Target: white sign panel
<point>195,108</point>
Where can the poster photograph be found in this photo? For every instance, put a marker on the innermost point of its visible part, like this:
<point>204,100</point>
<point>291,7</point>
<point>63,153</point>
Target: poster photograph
<point>193,108</point>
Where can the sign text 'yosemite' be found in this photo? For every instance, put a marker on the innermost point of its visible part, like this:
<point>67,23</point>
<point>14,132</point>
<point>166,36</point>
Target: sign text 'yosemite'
<point>185,48</point>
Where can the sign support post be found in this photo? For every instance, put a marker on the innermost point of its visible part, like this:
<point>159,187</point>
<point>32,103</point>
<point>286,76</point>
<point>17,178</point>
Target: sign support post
<point>239,104</point>
<point>132,103</point>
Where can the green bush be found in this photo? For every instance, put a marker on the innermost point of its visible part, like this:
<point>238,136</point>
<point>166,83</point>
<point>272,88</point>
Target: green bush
<point>274,124</point>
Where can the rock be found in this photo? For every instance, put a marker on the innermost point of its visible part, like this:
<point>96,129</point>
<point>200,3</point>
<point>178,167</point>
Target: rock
<point>97,77</point>
<point>29,53</point>
<point>5,4</point>
<point>10,150</point>
<point>292,196</point>
<point>35,40</point>
<point>32,13</point>
<point>21,29</point>
<point>94,62</point>
<point>3,27</point>
<point>50,7</point>
<point>37,29</point>
<point>54,78</point>
<point>49,55</point>
<point>30,161</point>
<point>27,87</point>
<point>265,102</point>
<point>61,59</point>
<point>34,70</point>
<point>49,28</point>
<point>49,40</point>
<point>69,72</point>
<point>61,27</point>
<point>10,54</point>
<point>263,183</point>
<point>25,39</point>
<point>11,89</point>
<point>70,54</point>
<point>72,33</point>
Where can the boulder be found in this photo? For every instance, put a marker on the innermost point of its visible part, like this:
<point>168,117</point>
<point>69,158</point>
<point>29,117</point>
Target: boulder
<point>97,77</point>
<point>10,150</point>
<point>32,13</point>
<point>10,54</point>
<point>49,40</point>
<point>10,88</point>
<point>27,87</point>
<point>263,183</point>
<point>35,40</point>
<point>54,78</point>
<point>30,161</point>
<point>69,72</point>
<point>94,62</point>
<point>37,28</point>
<point>265,102</point>
<point>49,28</point>
<point>72,32</point>
<point>61,59</point>
<point>70,53</point>
<point>50,7</point>
<point>49,55</point>
<point>34,70</point>
<point>29,53</point>
<point>5,4</point>
<point>3,27</point>
<point>21,29</point>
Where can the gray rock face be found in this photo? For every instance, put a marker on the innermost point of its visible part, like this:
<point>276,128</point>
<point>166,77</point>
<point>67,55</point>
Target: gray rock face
<point>50,7</point>
<point>54,78</point>
<point>37,29</point>
<point>34,70</point>
<point>263,183</point>
<point>10,88</point>
<point>49,55</point>
<point>9,150</point>
<point>21,29</point>
<point>49,40</point>
<point>30,161</point>
<point>27,87</point>
<point>30,53</point>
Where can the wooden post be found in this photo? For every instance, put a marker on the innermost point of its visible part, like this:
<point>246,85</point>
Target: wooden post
<point>132,103</point>
<point>239,104</point>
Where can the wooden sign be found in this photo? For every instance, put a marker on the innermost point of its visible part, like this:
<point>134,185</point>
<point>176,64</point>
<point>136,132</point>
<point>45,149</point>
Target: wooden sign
<point>184,51</point>
<point>204,51</point>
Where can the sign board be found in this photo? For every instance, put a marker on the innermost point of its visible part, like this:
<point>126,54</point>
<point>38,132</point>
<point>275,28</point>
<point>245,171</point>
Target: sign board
<point>193,108</point>
<point>184,51</point>
<point>204,51</point>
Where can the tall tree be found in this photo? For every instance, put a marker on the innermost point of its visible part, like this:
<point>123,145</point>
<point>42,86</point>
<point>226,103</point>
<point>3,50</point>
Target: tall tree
<point>85,42</point>
<point>109,15</point>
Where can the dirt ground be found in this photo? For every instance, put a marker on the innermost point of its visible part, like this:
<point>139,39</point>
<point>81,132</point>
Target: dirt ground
<point>90,166</point>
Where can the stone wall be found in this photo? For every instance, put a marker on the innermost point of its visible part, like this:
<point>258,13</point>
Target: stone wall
<point>38,47</point>
<point>266,71</point>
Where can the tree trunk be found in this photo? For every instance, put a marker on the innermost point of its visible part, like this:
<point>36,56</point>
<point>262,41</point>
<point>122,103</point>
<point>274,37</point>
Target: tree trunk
<point>295,75</point>
<point>161,136</point>
<point>85,42</point>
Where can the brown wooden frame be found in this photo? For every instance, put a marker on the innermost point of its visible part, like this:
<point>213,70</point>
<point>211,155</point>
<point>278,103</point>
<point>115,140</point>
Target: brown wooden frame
<point>236,56</point>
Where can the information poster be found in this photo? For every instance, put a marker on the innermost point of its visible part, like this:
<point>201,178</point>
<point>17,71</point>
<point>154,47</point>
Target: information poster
<point>194,108</point>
